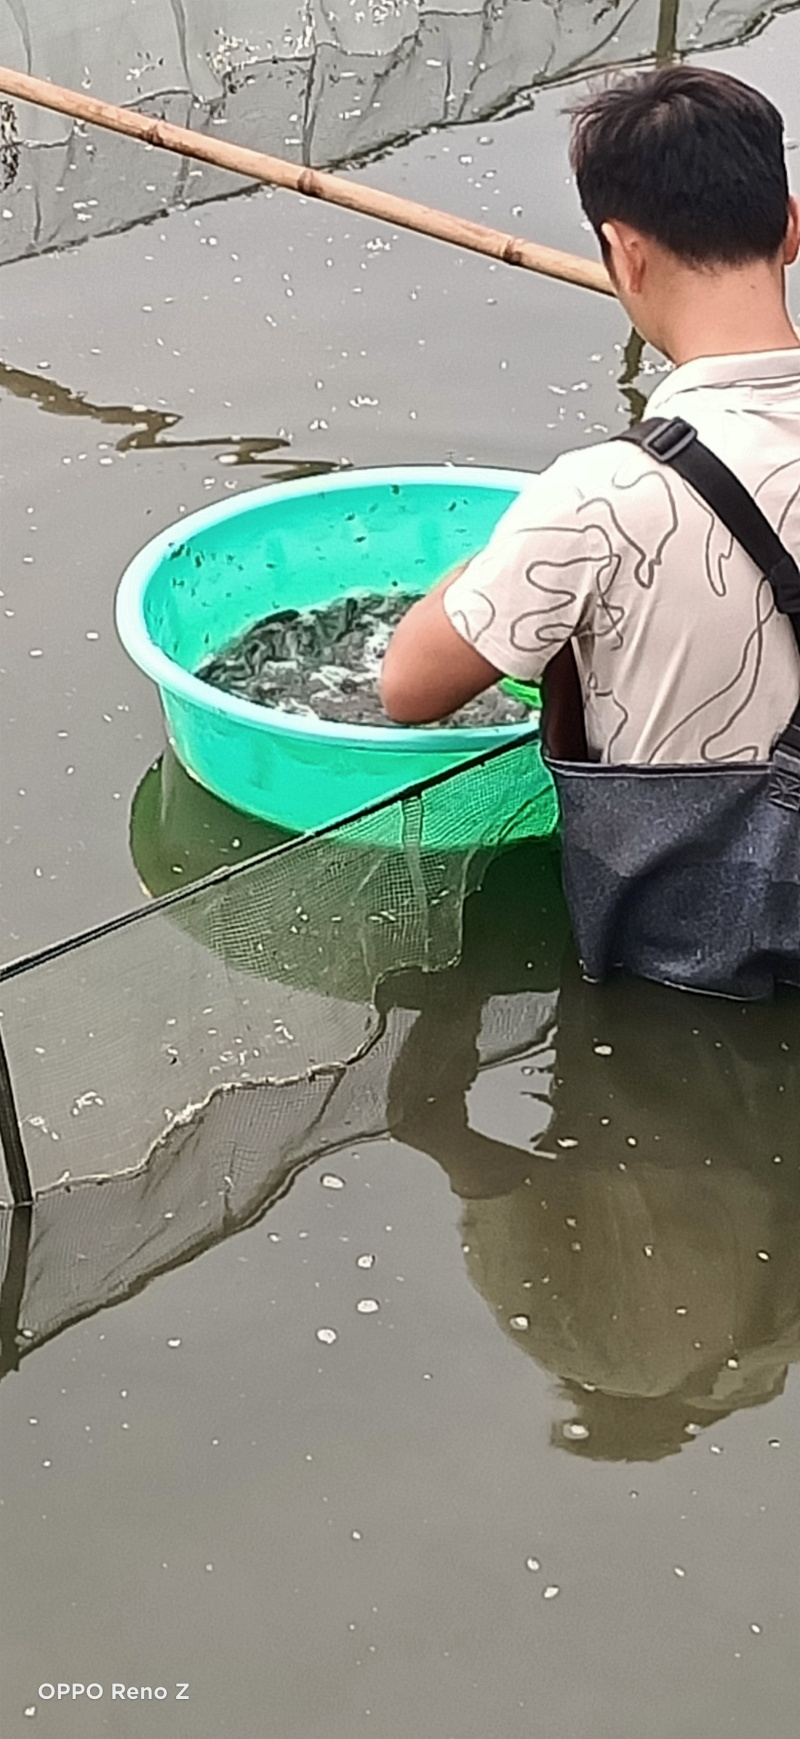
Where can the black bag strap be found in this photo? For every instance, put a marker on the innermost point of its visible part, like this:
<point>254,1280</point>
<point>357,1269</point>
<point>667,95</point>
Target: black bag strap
<point>676,443</point>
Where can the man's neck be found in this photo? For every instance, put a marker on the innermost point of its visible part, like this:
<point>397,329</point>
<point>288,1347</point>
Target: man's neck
<point>727,313</point>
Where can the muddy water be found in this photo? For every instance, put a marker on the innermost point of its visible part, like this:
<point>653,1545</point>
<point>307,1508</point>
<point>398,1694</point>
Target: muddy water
<point>549,1483</point>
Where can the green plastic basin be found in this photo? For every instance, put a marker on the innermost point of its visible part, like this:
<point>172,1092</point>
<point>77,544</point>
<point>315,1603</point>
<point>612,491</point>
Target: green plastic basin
<point>300,544</point>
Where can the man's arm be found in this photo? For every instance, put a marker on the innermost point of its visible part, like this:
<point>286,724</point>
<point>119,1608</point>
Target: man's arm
<point>513,610</point>
<point>430,670</point>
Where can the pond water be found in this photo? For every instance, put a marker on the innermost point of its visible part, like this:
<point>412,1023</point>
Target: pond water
<point>489,1422</point>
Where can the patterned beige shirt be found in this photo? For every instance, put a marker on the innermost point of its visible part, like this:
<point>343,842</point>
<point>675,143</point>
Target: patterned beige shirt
<point>681,652</point>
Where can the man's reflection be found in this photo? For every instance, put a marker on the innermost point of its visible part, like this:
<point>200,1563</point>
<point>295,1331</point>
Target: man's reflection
<point>651,1263</point>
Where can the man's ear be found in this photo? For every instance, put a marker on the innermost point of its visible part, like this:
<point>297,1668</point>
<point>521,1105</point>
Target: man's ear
<point>791,245</point>
<point>625,256</point>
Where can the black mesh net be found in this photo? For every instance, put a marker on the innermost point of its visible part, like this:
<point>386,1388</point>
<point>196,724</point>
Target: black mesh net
<point>168,1073</point>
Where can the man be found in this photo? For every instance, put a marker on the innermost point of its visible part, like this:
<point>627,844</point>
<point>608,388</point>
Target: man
<point>612,580</point>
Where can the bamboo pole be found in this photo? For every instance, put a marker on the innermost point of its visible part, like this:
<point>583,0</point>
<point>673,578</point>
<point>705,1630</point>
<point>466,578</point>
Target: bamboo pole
<point>313,183</point>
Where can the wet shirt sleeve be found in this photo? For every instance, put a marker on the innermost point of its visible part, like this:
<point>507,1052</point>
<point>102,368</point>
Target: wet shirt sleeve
<point>531,588</point>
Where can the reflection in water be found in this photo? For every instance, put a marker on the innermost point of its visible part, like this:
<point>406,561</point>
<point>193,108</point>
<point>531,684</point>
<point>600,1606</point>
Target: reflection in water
<point>633,354</point>
<point>667,37</point>
<point>148,427</point>
<point>179,832</point>
<point>666,51</point>
<point>627,1157</point>
<point>9,144</point>
<point>408,68</point>
<point>648,1234</point>
<point>648,1257</point>
<point>19,1225</point>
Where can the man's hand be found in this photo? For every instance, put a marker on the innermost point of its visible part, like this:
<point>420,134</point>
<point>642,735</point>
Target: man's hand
<point>429,671</point>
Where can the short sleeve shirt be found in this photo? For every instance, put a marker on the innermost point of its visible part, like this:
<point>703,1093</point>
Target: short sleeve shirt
<point>681,652</point>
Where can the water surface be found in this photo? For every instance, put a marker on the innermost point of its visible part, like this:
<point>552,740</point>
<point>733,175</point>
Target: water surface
<point>548,1485</point>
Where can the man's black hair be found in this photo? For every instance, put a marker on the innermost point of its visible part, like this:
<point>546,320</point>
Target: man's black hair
<point>692,158</point>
